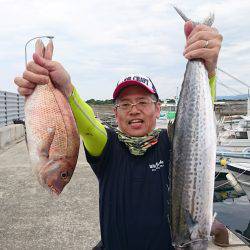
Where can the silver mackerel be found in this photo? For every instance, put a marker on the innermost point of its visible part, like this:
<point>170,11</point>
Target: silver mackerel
<point>193,163</point>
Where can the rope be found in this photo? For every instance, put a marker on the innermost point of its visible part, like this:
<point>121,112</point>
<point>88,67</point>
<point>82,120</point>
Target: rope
<point>217,175</point>
<point>227,182</point>
<point>229,88</point>
<point>235,78</point>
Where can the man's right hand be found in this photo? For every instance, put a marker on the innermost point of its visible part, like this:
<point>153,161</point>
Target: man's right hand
<point>40,70</point>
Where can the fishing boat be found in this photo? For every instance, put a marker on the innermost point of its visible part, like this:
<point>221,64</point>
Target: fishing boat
<point>238,164</point>
<point>241,171</point>
<point>237,136</point>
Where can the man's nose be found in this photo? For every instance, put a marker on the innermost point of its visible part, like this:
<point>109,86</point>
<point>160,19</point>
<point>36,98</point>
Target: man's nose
<point>134,109</point>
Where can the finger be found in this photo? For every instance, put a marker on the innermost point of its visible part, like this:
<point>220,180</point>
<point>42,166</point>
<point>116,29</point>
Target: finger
<point>201,27</point>
<point>49,65</point>
<point>188,27</point>
<point>35,68</point>
<point>201,35</point>
<point>24,91</point>
<point>200,44</point>
<point>49,50</point>
<point>39,47</point>
<point>35,78</point>
<point>203,53</point>
<point>21,82</point>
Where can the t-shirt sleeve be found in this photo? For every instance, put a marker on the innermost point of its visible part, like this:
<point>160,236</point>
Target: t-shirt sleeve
<point>99,163</point>
<point>212,84</point>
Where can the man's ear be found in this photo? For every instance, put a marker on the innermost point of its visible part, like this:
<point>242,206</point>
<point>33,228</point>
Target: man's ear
<point>158,109</point>
<point>115,112</point>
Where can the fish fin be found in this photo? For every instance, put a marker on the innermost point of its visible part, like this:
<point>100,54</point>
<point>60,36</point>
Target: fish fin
<point>214,216</point>
<point>44,148</point>
<point>192,225</point>
<point>171,126</point>
<point>209,20</point>
<point>183,16</point>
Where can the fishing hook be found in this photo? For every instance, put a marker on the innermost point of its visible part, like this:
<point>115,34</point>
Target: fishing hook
<point>26,44</point>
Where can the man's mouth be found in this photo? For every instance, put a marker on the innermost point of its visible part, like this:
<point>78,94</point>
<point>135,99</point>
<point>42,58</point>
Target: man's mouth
<point>135,121</point>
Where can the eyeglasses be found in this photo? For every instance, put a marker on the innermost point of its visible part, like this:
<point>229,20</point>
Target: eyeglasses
<point>127,106</point>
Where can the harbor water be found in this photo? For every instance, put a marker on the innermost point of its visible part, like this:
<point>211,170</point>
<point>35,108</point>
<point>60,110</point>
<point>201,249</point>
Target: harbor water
<point>235,214</point>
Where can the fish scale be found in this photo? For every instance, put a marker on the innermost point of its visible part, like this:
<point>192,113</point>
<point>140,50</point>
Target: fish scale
<point>52,136</point>
<point>193,161</point>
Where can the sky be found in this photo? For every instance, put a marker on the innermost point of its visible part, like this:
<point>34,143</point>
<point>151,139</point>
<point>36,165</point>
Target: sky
<point>101,41</point>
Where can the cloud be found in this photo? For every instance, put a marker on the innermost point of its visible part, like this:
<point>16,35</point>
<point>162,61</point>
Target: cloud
<point>99,41</point>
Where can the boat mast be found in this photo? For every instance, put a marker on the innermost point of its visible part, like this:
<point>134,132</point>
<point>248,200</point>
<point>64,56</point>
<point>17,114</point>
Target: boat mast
<point>248,104</point>
<point>176,97</point>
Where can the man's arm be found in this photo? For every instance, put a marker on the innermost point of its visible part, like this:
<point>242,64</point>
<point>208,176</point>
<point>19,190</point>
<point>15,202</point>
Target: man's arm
<point>92,132</point>
<point>39,71</point>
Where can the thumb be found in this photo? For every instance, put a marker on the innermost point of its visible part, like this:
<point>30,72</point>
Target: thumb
<point>188,27</point>
<point>47,64</point>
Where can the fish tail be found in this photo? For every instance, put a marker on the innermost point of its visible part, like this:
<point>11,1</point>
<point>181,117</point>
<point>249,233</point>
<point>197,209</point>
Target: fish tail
<point>183,16</point>
<point>209,20</point>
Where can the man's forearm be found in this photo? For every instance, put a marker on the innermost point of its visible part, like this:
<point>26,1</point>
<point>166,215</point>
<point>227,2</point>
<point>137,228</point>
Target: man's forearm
<point>92,132</point>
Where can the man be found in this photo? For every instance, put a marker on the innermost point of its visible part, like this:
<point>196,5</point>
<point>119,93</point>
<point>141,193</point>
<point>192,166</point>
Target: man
<point>131,163</point>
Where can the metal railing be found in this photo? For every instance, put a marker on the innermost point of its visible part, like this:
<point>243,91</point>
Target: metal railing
<point>11,108</point>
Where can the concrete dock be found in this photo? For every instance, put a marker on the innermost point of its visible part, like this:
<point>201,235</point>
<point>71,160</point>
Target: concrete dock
<point>31,219</point>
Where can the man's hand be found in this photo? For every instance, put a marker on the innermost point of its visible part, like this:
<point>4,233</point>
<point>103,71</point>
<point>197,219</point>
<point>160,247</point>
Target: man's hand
<point>198,47</point>
<point>58,75</point>
<point>40,70</point>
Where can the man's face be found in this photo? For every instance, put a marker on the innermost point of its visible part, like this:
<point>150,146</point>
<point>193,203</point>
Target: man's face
<point>136,122</point>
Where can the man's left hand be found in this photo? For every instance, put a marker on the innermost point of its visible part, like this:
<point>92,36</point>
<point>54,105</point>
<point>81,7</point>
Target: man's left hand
<point>203,42</point>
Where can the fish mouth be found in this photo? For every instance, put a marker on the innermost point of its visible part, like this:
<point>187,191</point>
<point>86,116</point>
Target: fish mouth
<point>54,190</point>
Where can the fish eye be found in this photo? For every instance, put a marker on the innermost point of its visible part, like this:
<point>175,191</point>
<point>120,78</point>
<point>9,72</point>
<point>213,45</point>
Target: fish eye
<point>64,175</point>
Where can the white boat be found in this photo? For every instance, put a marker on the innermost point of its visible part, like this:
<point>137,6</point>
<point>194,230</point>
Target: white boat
<point>237,137</point>
<point>238,164</point>
<point>241,171</point>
